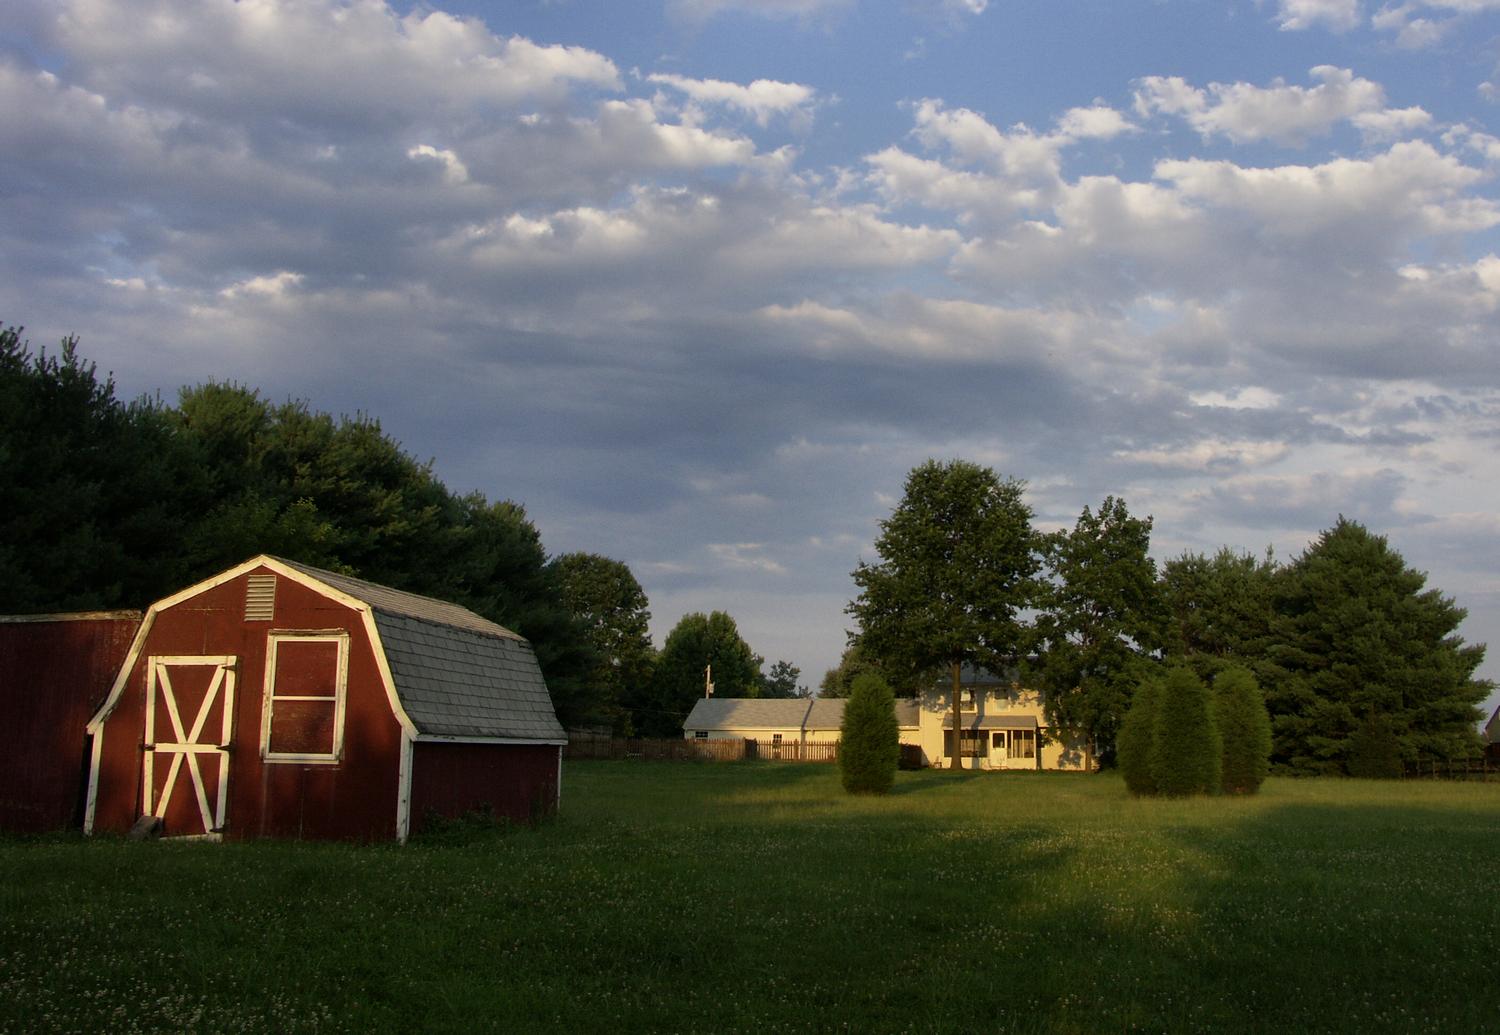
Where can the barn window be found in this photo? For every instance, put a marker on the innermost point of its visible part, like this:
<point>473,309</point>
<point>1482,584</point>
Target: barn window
<point>306,677</point>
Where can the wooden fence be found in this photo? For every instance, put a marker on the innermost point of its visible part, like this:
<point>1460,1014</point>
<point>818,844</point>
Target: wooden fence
<point>726,749</point>
<point>1463,769</point>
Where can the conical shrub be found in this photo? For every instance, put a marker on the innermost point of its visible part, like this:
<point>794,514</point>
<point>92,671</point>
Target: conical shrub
<point>1186,752</point>
<point>1245,728</point>
<point>1137,731</point>
<point>870,744</point>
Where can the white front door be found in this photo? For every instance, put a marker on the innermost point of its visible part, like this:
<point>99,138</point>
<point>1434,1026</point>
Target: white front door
<point>999,748</point>
<point>182,695</point>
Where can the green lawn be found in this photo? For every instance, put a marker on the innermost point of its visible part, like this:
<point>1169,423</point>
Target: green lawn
<point>756,897</point>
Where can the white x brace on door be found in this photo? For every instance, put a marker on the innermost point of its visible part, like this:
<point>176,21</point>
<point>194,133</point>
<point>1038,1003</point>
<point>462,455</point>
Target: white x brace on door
<point>205,687</point>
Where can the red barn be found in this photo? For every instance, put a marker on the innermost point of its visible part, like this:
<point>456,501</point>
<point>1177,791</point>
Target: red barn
<point>280,700</point>
<point>55,671</point>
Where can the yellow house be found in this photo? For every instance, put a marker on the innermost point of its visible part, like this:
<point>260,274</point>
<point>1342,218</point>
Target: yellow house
<point>780,724</point>
<point>1002,725</point>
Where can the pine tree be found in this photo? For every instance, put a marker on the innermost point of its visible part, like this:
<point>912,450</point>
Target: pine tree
<point>1358,634</point>
<point>869,748</point>
<point>1245,727</point>
<point>1374,750</point>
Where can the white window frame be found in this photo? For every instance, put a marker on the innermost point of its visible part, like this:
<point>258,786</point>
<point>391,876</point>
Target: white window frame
<point>339,637</point>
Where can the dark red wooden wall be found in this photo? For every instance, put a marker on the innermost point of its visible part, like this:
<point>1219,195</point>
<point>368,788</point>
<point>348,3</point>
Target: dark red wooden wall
<point>55,672</point>
<point>517,781</point>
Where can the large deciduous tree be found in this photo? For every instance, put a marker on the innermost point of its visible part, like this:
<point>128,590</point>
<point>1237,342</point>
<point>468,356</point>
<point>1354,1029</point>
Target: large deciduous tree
<point>782,681</point>
<point>957,570</point>
<point>1358,635</point>
<point>698,644</point>
<point>605,597</point>
<point>1100,618</point>
<point>838,682</point>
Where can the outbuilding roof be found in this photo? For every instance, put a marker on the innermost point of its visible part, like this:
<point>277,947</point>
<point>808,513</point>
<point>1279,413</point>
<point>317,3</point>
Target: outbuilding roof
<point>747,713</point>
<point>456,673</point>
<point>796,713</point>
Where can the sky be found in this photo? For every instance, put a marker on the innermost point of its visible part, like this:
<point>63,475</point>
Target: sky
<point>699,281</point>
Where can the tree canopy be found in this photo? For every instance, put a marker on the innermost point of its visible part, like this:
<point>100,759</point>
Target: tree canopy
<point>695,644</point>
<point>108,504</point>
<point>957,569</point>
<point>782,681</point>
<point>611,607</point>
<point>1219,609</point>
<point>1357,634</point>
<point>1100,619</point>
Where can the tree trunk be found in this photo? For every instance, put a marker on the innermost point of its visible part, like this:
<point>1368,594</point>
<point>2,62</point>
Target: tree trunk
<point>958,740</point>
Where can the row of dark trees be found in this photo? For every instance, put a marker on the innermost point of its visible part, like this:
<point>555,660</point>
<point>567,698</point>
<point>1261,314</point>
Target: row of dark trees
<point>106,503</point>
<point>1345,635</point>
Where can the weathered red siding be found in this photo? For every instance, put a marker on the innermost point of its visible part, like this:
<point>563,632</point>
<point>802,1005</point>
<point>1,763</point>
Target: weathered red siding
<point>55,671</point>
<point>352,799</point>
<point>518,781</point>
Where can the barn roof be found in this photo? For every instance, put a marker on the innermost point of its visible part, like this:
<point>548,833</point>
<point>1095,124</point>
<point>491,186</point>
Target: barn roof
<point>456,673</point>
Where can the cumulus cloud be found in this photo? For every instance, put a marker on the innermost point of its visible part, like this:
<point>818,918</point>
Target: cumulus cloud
<point>1280,113</point>
<point>636,304</point>
<point>1338,15</point>
<point>328,61</point>
<point>761,99</point>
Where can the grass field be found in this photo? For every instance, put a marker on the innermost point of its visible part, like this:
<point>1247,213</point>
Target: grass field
<point>756,897</point>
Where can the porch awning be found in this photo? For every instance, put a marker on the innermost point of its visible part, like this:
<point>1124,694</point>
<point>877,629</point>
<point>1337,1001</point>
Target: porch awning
<point>992,722</point>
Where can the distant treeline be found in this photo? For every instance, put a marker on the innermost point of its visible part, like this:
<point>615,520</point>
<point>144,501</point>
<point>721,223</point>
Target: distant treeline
<point>106,503</point>
<point>1347,642</point>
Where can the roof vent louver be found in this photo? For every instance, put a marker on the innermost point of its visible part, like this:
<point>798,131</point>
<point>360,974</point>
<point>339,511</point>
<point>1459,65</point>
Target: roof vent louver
<point>260,598</point>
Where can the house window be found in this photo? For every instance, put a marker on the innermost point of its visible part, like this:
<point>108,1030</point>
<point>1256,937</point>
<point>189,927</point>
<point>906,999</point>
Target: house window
<point>1023,744</point>
<point>968,698</point>
<point>700,734</point>
<point>972,743</point>
<point>302,718</point>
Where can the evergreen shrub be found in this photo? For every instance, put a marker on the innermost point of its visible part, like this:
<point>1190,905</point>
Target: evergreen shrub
<point>1186,752</point>
<point>1133,743</point>
<point>870,746</point>
<point>1245,727</point>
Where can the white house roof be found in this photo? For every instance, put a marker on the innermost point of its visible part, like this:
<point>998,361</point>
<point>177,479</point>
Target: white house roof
<point>456,674</point>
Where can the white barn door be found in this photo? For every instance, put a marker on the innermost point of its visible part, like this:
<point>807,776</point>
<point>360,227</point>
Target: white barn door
<point>189,725</point>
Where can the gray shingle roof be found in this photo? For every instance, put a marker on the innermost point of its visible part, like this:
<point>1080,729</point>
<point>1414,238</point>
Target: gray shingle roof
<point>781,713</point>
<point>747,713</point>
<point>456,674</point>
<point>826,715</point>
<point>992,722</point>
